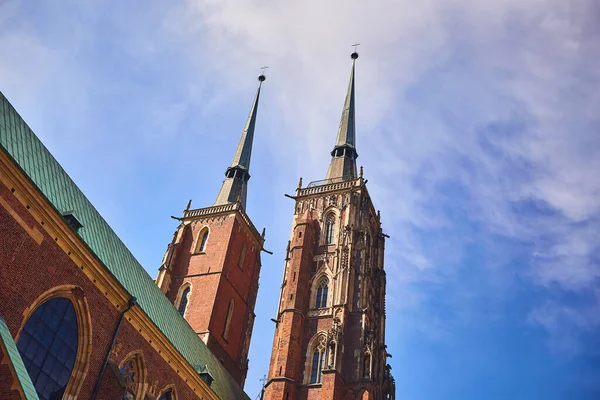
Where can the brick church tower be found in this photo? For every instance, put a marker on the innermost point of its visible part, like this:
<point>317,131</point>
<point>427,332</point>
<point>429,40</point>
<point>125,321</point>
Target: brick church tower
<point>210,270</point>
<point>330,326</point>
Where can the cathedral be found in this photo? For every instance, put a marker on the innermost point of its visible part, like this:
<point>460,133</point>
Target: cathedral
<point>80,318</point>
<point>330,324</point>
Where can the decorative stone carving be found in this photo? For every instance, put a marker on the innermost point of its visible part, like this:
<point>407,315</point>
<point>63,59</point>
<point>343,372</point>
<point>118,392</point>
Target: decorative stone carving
<point>319,312</point>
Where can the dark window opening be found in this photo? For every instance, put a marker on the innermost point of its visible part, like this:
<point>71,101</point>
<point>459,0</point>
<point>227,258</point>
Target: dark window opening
<point>321,301</point>
<point>48,347</point>
<point>184,300</point>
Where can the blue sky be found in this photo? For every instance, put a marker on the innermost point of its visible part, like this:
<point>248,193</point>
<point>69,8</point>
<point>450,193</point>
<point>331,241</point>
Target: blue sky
<point>477,125</point>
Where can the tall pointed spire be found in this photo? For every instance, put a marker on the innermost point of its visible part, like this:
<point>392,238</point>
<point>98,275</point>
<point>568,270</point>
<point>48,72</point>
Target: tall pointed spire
<point>237,174</point>
<point>343,161</point>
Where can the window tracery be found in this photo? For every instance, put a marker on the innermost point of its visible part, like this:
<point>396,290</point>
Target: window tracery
<point>321,295</point>
<point>329,229</point>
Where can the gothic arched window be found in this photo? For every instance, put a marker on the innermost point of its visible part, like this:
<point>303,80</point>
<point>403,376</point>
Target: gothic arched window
<point>228,320</point>
<point>318,359</point>
<point>322,289</point>
<point>367,366</point>
<point>201,242</point>
<point>183,302</point>
<point>329,229</point>
<point>48,347</point>
<point>132,372</point>
<point>242,257</point>
<point>167,396</point>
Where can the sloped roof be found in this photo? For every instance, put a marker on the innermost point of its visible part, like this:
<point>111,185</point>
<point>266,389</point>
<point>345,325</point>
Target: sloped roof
<point>17,362</point>
<point>19,141</point>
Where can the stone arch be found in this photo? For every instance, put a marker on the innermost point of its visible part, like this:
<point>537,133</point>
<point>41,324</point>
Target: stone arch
<point>186,285</point>
<point>323,274</point>
<point>171,387</point>
<point>317,342</point>
<point>202,240</point>
<point>138,387</point>
<point>329,226</point>
<point>364,394</point>
<point>84,331</point>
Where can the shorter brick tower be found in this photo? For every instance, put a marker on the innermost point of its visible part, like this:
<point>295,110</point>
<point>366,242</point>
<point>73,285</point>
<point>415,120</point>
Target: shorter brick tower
<point>330,335</point>
<point>210,270</point>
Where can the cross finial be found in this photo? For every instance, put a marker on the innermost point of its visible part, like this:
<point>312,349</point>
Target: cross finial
<point>262,77</point>
<point>354,54</point>
<point>263,380</point>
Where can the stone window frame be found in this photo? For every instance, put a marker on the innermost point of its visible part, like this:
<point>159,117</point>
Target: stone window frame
<point>201,243</point>
<point>84,331</point>
<point>179,297</point>
<point>171,387</point>
<point>140,386</point>
<point>324,273</point>
<point>317,342</point>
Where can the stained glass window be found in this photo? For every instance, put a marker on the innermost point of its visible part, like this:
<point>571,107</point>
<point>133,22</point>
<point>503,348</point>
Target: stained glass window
<point>130,369</point>
<point>48,346</point>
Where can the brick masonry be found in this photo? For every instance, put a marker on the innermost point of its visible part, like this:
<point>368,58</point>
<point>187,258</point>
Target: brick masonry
<point>28,269</point>
<point>217,278</point>
<point>350,329</point>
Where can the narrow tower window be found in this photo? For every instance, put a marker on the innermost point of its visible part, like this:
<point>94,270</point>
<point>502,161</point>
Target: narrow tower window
<point>202,239</point>
<point>48,346</point>
<point>184,300</point>
<point>322,289</point>
<point>242,257</point>
<point>329,228</point>
<point>228,320</point>
<point>317,366</point>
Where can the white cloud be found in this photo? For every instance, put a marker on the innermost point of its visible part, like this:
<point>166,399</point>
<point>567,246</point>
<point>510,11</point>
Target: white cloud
<point>497,98</point>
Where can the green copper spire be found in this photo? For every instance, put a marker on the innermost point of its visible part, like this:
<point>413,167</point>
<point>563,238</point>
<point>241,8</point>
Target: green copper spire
<point>238,173</point>
<point>343,162</point>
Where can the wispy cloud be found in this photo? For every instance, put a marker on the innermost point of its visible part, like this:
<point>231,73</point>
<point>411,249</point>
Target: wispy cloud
<point>477,125</point>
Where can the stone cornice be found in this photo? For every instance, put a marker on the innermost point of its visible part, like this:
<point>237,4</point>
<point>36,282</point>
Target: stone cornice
<point>55,226</point>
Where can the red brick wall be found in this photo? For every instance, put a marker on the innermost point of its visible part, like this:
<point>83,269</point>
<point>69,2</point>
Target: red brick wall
<point>27,270</point>
<point>216,279</point>
<point>288,350</point>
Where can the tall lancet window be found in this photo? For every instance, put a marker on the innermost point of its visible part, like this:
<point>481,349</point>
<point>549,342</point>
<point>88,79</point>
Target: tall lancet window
<point>318,359</point>
<point>202,239</point>
<point>184,300</point>
<point>329,229</point>
<point>228,320</point>
<point>322,289</point>
<point>242,257</point>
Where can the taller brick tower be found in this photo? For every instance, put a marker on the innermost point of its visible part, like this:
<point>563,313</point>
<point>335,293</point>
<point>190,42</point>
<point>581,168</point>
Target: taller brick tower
<point>330,335</point>
<point>210,270</point>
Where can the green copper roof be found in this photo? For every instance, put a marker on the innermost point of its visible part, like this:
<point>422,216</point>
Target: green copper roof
<point>346,130</point>
<point>19,141</point>
<point>235,185</point>
<point>17,363</point>
<point>243,152</point>
<point>343,156</point>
